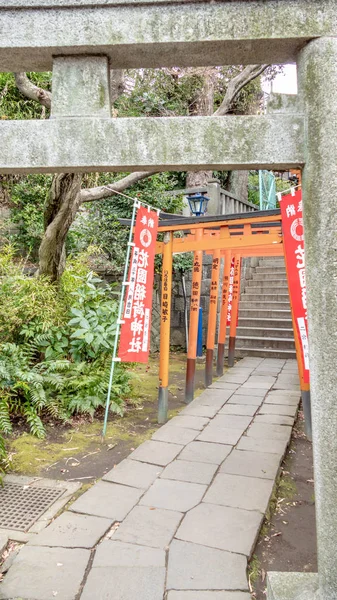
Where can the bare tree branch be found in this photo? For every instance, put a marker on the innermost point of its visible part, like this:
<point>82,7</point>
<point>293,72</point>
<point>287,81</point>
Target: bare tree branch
<point>28,89</point>
<point>236,84</point>
<point>104,191</point>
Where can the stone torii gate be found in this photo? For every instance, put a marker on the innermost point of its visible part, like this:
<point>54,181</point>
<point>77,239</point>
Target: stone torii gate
<point>81,39</point>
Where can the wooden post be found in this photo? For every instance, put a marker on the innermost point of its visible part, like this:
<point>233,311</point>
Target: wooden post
<point>165,322</point>
<point>223,314</point>
<point>212,315</point>
<point>235,309</point>
<point>194,318</point>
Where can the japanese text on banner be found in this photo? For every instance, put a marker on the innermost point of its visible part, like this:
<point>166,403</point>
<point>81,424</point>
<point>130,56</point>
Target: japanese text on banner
<point>134,343</point>
<point>293,236</point>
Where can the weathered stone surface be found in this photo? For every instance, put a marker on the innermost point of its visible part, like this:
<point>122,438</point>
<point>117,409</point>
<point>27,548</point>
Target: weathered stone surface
<point>205,452</point>
<point>115,583</point>
<point>39,572</point>
<point>274,419</point>
<point>224,384</point>
<point>221,527</point>
<point>153,35</point>
<point>257,381</point>
<point>186,568</point>
<point>231,421</point>
<point>289,586</point>
<point>173,495</point>
<point>201,410</point>
<point>133,473</point>
<point>194,472</point>
<point>238,409</point>
<point>81,87</point>
<point>147,527</point>
<point>239,491</point>
<point>172,143</point>
<point>278,409</point>
<point>262,445</point>
<point>157,453</point>
<point>265,430</point>
<point>185,595</point>
<point>236,378</point>
<point>189,422</point>
<point>112,553</point>
<point>71,530</point>
<point>256,385</point>
<point>221,435</point>
<point>108,500</point>
<point>3,542</point>
<point>213,397</point>
<point>278,399</point>
<point>252,464</point>
<point>174,435</point>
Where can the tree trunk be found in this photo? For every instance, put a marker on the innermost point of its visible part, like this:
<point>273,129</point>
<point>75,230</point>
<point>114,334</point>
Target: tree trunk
<point>238,184</point>
<point>61,208</point>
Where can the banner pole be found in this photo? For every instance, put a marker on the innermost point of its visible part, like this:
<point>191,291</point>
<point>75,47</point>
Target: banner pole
<point>120,310</point>
<point>223,314</point>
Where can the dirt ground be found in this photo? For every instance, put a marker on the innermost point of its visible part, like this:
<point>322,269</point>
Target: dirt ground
<point>76,452</point>
<point>288,538</point>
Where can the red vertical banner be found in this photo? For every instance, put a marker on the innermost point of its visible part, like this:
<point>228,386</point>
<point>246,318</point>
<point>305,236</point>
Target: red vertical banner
<point>231,289</point>
<point>134,345</point>
<point>293,239</point>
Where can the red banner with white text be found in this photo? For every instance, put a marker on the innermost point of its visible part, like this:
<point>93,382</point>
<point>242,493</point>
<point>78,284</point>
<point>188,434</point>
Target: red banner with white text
<point>293,239</point>
<point>134,345</point>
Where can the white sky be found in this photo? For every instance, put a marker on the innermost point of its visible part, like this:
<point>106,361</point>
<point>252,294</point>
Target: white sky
<point>284,83</point>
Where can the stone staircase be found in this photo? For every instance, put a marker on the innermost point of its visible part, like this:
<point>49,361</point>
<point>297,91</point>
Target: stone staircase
<point>265,326</point>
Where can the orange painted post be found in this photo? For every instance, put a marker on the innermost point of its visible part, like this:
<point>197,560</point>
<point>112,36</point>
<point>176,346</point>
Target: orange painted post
<point>212,315</point>
<point>165,322</point>
<point>223,314</point>
<point>194,318</point>
<point>235,310</point>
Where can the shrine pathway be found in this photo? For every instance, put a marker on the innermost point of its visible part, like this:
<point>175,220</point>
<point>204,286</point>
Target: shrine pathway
<point>178,519</point>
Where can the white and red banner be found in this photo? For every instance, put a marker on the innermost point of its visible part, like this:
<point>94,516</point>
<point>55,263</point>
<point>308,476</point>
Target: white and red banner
<point>134,345</point>
<point>293,239</point>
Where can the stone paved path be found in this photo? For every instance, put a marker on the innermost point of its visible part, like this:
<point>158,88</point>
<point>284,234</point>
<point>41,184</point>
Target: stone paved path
<point>189,503</point>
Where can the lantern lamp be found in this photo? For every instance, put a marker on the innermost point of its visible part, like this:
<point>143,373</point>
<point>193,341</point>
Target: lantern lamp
<point>198,204</point>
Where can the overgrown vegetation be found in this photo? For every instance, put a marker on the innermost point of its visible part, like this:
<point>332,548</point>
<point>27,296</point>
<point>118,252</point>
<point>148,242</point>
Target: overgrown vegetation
<point>56,345</point>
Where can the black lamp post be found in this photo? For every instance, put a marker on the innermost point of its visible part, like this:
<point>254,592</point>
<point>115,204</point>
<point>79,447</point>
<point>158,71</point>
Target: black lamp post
<point>198,204</point>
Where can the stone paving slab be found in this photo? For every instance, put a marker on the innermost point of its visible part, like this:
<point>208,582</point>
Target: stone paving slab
<point>174,435</point>
<point>3,542</point>
<point>224,595</point>
<point>221,435</point>
<point>195,567</point>
<point>108,500</point>
<point>134,474</point>
<point>40,573</point>
<point>146,526</point>
<point>125,583</point>
<point>275,419</point>
<point>238,409</point>
<point>222,527</point>
<point>156,453</point>
<point>186,499</point>
<point>173,495</point>
<point>264,445</point>
<point>189,422</point>
<point>266,430</point>
<point>193,472</point>
<point>239,491</point>
<point>205,452</point>
<point>252,464</point>
<point>231,421</point>
<point>278,409</point>
<point>72,530</point>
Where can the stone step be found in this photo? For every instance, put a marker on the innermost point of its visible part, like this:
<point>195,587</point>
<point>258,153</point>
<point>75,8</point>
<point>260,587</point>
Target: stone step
<point>268,277</point>
<point>268,283</point>
<point>265,342</point>
<point>254,302</point>
<point>261,323</point>
<point>249,313</point>
<point>272,262</point>
<point>252,296</point>
<point>264,353</point>
<point>265,332</point>
<point>270,270</point>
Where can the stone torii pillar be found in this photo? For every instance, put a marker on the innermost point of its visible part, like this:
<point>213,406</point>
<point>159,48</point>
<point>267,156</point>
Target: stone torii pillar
<point>317,64</point>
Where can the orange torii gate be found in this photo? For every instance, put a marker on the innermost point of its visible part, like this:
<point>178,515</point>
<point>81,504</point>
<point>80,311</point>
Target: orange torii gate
<point>225,236</point>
